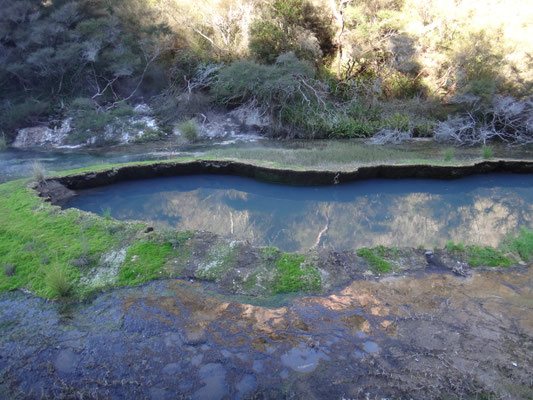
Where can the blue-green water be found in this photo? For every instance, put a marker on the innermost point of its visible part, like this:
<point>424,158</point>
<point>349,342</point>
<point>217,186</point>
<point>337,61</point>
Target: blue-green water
<point>480,209</point>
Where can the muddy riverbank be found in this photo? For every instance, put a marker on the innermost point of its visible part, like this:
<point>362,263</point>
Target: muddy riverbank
<point>419,336</point>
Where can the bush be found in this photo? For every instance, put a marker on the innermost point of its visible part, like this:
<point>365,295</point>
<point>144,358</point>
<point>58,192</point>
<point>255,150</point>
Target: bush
<point>189,130</point>
<point>3,143</point>
<point>287,90</point>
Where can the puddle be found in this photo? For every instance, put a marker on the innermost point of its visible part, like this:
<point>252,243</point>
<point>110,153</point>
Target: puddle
<point>303,359</point>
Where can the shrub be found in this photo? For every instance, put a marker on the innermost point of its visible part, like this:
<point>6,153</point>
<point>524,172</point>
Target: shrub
<point>189,130</point>
<point>3,143</point>
<point>59,281</point>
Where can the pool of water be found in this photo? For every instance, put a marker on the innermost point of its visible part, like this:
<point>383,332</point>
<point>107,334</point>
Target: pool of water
<point>480,209</point>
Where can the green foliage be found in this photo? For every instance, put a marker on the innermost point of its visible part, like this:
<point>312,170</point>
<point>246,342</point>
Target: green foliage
<point>480,255</point>
<point>486,256</point>
<point>3,143</point>
<point>144,262</point>
<point>291,26</point>
<point>89,120</point>
<point>398,121</point>
<point>448,154</point>
<point>189,130</point>
<point>488,152</point>
<point>454,248</point>
<point>293,276</point>
<point>376,263</point>
<point>521,245</point>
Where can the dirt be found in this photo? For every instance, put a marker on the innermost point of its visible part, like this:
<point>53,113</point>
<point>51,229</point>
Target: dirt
<point>417,336</point>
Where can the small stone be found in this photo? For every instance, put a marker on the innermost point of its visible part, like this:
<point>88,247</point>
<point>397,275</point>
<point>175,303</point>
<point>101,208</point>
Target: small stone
<point>148,230</point>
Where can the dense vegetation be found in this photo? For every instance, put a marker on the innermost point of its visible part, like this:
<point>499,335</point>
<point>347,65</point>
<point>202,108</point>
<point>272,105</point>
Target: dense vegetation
<point>458,69</point>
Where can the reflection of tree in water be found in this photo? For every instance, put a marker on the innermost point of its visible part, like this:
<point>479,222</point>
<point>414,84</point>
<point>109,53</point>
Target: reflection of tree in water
<point>481,216</point>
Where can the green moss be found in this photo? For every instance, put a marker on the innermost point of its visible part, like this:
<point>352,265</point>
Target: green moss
<point>292,276</point>
<point>144,262</point>
<point>376,263</point>
<point>34,233</point>
<point>486,256</point>
<point>455,248</point>
<point>521,245</point>
<point>480,255</point>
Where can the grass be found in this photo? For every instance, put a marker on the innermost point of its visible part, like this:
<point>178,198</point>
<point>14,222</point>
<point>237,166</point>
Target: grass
<point>292,275</point>
<point>488,152</point>
<point>33,232</point>
<point>305,154</point>
<point>189,130</point>
<point>144,262</point>
<point>376,263</point>
<point>480,255</point>
<point>521,245</point>
<point>448,154</point>
<point>60,280</point>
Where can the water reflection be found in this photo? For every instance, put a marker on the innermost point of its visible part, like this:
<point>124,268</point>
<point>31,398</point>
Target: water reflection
<point>475,210</point>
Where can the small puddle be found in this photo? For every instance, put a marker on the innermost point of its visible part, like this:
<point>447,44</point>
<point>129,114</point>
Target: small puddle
<point>303,359</point>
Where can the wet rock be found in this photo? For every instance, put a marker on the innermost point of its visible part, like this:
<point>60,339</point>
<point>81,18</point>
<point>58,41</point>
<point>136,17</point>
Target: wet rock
<point>213,376</point>
<point>66,362</point>
<point>148,229</point>
<point>246,384</point>
<point>171,369</point>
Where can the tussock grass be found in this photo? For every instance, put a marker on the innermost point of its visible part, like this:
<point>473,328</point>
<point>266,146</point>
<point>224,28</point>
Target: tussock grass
<point>59,281</point>
<point>189,130</point>
<point>38,171</point>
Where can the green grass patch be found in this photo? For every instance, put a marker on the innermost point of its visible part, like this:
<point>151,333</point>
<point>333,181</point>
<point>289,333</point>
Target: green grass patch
<point>376,263</point>
<point>480,255</point>
<point>488,152</point>
<point>448,154</point>
<point>144,262</point>
<point>521,245</point>
<point>292,275</point>
<point>36,237</point>
<point>455,248</point>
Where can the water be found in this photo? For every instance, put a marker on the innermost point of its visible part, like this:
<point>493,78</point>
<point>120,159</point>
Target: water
<point>409,212</point>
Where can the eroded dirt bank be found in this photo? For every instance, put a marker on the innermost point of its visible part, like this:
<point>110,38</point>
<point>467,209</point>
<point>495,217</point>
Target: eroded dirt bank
<point>419,336</point>
<point>284,175</point>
